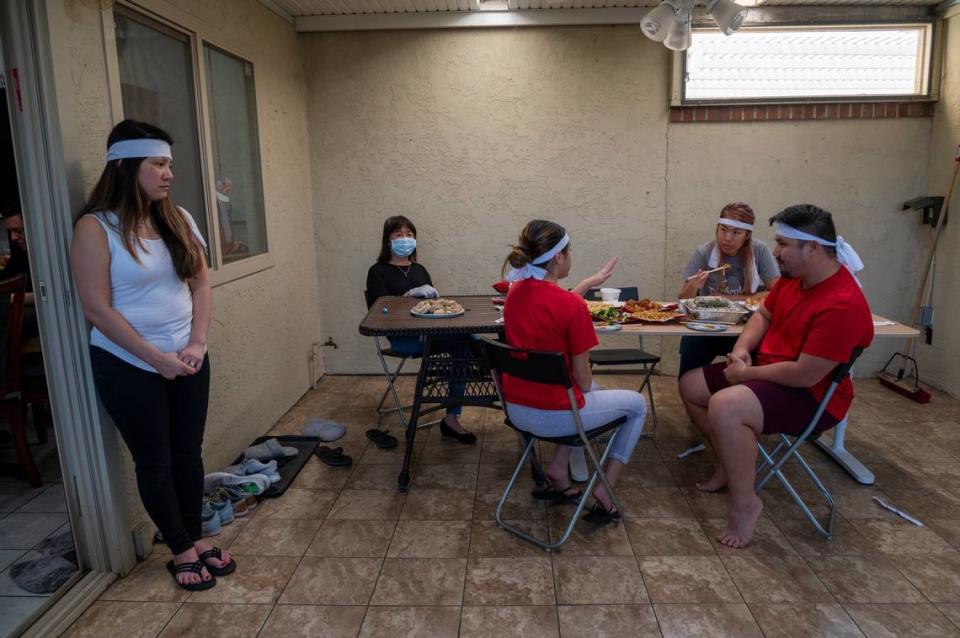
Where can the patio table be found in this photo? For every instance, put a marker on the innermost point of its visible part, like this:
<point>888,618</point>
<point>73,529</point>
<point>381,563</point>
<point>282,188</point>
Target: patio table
<point>437,369</point>
<point>390,317</point>
<point>832,443</point>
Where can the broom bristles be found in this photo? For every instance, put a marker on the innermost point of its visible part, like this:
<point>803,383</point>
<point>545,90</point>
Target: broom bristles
<point>904,387</point>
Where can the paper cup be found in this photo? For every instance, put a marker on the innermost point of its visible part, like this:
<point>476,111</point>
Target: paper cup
<point>610,294</point>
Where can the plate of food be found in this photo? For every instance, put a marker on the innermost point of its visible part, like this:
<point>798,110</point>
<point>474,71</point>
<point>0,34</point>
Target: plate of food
<point>604,312</point>
<point>437,309</point>
<point>706,327</point>
<point>649,311</point>
<point>753,302</point>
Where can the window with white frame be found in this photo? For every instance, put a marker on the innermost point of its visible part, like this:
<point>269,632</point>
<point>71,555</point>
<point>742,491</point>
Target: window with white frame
<point>800,64</point>
<point>162,72</point>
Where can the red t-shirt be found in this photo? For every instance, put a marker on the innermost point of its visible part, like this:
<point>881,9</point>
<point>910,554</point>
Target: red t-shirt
<point>828,320</point>
<point>539,315</point>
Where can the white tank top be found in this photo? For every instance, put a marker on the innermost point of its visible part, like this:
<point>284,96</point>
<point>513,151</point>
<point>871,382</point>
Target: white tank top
<point>149,295</point>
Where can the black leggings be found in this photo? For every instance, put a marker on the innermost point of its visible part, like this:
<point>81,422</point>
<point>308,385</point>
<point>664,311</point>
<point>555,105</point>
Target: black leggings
<point>162,423</point>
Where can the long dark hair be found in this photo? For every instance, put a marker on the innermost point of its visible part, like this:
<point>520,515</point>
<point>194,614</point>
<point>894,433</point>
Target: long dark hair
<point>390,226</point>
<point>536,238</point>
<point>738,211</point>
<point>118,191</point>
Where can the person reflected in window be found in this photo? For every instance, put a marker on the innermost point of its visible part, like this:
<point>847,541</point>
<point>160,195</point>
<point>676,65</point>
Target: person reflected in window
<point>18,263</point>
<point>138,261</point>
<point>228,245</point>
<point>397,272</point>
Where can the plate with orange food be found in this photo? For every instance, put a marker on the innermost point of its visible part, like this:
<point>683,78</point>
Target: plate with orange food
<point>648,311</point>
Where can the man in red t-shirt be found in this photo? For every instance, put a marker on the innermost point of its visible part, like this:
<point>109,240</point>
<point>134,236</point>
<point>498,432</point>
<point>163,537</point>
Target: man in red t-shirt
<point>781,365</point>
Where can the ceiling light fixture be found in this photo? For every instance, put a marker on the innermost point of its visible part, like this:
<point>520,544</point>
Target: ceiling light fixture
<point>669,22</point>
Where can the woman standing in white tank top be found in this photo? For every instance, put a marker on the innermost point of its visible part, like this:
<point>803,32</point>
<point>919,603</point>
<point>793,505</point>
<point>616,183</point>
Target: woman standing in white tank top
<point>139,265</point>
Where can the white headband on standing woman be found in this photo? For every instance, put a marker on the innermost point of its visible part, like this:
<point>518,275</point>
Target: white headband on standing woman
<point>530,270</point>
<point>846,255</point>
<point>144,147</point>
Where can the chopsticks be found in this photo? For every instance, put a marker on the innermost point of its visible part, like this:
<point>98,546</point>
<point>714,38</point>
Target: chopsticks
<point>723,267</point>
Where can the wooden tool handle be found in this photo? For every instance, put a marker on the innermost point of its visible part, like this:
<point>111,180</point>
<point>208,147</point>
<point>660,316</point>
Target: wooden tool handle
<point>928,262</point>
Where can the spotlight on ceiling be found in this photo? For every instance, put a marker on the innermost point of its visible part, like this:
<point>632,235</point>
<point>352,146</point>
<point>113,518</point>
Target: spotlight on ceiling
<point>728,15</point>
<point>669,22</point>
<point>656,25</point>
<point>680,37</point>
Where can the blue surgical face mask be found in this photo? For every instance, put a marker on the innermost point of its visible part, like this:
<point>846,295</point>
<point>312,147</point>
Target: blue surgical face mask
<point>403,246</point>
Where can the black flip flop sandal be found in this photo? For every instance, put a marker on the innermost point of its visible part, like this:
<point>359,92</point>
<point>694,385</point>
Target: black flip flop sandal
<point>333,456</point>
<point>381,439</point>
<point>556,496</point>
<point>215,552</point>
<point>195,567</point>
<point>600,515</point>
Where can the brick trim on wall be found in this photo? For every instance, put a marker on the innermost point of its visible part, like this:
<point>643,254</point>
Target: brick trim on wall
<point>793,112</point>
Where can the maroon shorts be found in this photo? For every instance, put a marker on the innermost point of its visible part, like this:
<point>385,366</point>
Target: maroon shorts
<point>785,410</point>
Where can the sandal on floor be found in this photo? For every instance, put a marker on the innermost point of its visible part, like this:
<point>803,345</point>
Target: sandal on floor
<point>333,456</point>
<point>195,567</point>
<point>224,570</point>
<point>381,439</point>
<point>557,496</point>
<point>600,515</point>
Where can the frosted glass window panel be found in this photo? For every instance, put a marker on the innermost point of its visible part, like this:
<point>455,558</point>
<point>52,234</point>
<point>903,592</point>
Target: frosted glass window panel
<point>232,104</point>
<point>805,63</point>
<point>157,86</point>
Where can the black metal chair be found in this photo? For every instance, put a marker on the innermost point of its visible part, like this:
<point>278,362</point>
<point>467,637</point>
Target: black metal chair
<point>548,368</point>
<point>628,356</point>
<point>775,463</point>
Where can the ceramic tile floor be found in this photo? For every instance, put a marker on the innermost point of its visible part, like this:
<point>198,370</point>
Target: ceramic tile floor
<point>344,554</point>
<point>27,516</point>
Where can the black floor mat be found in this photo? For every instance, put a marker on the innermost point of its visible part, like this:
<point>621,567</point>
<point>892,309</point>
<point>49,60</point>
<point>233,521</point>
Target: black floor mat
<point>291,466</point>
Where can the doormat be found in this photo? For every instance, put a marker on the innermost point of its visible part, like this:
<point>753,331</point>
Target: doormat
<point>290,466</point>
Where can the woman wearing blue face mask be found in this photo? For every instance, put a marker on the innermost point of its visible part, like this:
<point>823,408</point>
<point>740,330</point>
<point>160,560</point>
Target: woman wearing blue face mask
<point>396,273</point>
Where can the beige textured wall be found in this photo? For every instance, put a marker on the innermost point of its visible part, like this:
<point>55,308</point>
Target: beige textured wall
<point>264,324</point>
<point>472,133</point>
<point>939,362</point>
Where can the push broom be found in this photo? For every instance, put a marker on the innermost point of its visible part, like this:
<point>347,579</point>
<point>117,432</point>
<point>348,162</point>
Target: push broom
<point>900,381</point>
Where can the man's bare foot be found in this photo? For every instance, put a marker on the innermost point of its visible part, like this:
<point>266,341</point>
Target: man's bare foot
<point>741,522</point>
<point>190,578</point>
<point>715,483</point>
<point>225,557</point>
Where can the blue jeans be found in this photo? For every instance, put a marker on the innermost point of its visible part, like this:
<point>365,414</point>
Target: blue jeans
<point>600,407</point>
<point>414,347</point>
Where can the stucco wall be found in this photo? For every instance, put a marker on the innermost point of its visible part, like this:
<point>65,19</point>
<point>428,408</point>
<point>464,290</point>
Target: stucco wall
<point>472,133</point>
<point>939,364</point>
<point>264,324</point>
